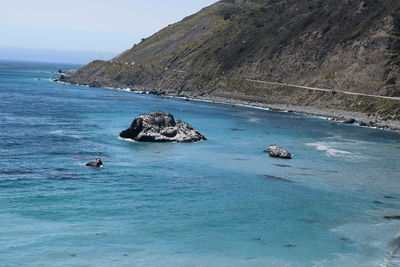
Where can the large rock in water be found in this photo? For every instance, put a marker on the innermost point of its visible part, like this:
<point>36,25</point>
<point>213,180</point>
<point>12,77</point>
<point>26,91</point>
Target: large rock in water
<point>278,152</point>
<point>161,127</point>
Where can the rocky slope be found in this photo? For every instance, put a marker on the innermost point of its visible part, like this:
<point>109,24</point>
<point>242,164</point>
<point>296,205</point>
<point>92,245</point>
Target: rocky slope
<point>333,44</point>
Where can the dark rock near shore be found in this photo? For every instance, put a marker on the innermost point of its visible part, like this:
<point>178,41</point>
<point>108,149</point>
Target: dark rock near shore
<point>156,92</point>
<point>161,127</point>
<point>349,121</point>
<point>278,152</point>
<point>62,78</point>
<point>60,71</point>
<point>95,164</point>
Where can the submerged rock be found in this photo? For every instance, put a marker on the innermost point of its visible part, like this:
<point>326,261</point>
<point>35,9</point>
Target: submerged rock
<point>397,217</point>
<point>95,164</point>
<point>161,127</point>
<point>278,152</point>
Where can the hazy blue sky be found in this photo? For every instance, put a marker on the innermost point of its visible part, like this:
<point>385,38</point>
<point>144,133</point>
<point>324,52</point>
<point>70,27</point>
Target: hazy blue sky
<point>98,26</point>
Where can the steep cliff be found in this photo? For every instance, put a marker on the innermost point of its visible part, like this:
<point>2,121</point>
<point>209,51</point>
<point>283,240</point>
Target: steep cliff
<point>228,48</point>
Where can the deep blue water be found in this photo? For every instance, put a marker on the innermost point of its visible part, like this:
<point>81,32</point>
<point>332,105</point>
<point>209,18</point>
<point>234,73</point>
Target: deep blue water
<point>221,202</point>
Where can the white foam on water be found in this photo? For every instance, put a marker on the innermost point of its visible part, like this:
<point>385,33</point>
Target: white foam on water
<point>57,132</point>
<point>75,136</point>
<point>254,119</point>
<point>62,133</point>
<point>393,260</point>
<point>327,148</point>
<point>378,244</point>
<point>127,139</point>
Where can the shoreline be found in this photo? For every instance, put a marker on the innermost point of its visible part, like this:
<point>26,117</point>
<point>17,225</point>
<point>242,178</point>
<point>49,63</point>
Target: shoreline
<point>339,116</point>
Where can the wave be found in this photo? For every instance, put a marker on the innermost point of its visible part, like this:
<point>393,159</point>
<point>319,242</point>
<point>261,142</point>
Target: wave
<point>323,146</point>
<point>394,259</point>
<point>379,243</point>
<point>255,119</point>
<point>61,133</point>
<point>127,139</point>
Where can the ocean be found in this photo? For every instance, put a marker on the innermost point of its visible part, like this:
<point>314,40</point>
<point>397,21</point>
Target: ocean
<point>220,202</point>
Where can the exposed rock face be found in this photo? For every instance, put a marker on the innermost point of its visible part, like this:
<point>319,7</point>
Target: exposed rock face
<point>161,127</point>
<point>278,152</point>
<point>340,45</point>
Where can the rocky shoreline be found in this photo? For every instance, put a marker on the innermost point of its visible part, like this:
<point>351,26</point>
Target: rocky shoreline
<point>340,116</point>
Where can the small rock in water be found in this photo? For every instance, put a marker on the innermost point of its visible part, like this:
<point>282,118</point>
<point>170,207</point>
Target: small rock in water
<point>95,164</point>
<point>161,127</point>
<point>278,152</point>
<point>60,71</point>
<point>101,234</point>
<point>290,246</point>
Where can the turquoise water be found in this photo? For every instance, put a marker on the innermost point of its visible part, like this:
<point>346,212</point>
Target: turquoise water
<point>220,202</point>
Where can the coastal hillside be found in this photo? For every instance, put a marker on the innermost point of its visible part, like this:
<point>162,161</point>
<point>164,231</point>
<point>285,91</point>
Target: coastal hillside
<point>270,51</point>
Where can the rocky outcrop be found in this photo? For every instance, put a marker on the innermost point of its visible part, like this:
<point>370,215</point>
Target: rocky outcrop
<point>161,127</point>
<point>95,164</point>
<point>278,152</point>
<point>62,78</point>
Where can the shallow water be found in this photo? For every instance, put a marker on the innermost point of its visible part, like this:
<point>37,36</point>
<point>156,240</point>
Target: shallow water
<point>220,202</point>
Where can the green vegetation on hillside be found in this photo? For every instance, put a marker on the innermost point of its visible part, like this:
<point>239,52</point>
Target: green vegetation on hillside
<point>334,44</point>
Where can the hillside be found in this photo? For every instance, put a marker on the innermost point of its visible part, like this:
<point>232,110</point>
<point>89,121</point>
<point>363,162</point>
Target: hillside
<point>332,44</point>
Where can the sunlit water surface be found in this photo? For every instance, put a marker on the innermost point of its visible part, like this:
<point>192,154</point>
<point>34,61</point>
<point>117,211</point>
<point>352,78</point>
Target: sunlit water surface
<point>220,202</point>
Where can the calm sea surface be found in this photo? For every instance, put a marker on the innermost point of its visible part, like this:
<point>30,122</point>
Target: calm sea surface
<point>221,202</point>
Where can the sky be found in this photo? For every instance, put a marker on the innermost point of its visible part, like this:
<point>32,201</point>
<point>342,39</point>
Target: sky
<point>49,29</point>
